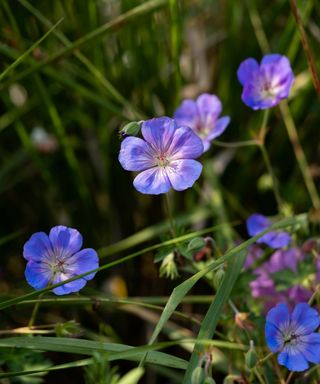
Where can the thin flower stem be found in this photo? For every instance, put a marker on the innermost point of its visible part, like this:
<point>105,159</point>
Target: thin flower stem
<point>266,158</point>
<point>289,377</point>
<point>237,312</point>
<point>263,128</point>
<point>272,175</point>
<point>37,305</point>
<point>264,359</point>
<point>169,212</point>
<point>300,156</point>
<point>259,376</point>
<point>233,307</point>
<point>34,312</point>
<point>314,295</point>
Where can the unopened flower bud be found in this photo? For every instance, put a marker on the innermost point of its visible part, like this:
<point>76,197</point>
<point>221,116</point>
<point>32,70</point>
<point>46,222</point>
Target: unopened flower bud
<point>206,251</point>
<point>196,244</point>
<point>209,380</point>
<point>169,267</point>
<point>242,320</point>
<point>231,379</point>
<point>130,129</point>
<point>198,376</point>
<point>251,356</point>
<point>311,245</point>
<point>67,329</point>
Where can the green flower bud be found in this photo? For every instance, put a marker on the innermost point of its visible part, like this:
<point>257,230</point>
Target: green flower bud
<point>209,380</point>
<point>67,329</point>
<point>231,379</point>
<point>198,376</point>
<point>251,356</point>
<point>168,267</point>
<point>196,244</point>
<point>130,129</point>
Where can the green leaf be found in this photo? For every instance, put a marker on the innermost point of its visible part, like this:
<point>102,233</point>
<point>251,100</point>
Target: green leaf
<point>28,51</point>
<point>132,377</point>
<point>88,347</point>
<point>181,290</point>
<point>9,303</point>
<point>212,317</point>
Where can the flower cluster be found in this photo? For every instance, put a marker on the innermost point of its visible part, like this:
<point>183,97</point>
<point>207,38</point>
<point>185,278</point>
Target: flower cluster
<point>271,284</point>
<point>165,158</point>
<point>282,277</point>
<point>166,154</point>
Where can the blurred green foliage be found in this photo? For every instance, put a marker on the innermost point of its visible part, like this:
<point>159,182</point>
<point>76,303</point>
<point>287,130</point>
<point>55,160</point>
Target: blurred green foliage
<point>112,61</point>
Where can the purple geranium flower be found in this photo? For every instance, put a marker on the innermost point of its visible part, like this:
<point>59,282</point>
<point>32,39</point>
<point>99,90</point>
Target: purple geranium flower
<point>57,257</point>
<point>202,117</point>
<point>264,286</point>
<point>257,223</point>
<point>265,85</point>
<point>254,254</point>
<point>293,335</point>
<point>165,156</point>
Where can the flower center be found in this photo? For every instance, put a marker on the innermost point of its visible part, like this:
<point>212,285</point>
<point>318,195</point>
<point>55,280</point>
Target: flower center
<point>58,266</point>
<point>162,160</point>
<point>290,338</point>
<point>267,89</point>
<point>57,263</point>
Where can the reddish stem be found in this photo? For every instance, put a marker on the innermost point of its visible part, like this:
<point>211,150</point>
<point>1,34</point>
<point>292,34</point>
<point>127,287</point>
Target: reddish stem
<point>306,47</point>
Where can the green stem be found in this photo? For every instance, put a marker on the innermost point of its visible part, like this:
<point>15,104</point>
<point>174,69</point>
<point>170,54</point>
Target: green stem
<point>169,212</point>
<point>314,295</point>
<point>275,187</point>
<point>263,128</point>
<point>300,156</point>
<point>264,359</point>
<point>34,312</point>
<point>289,377</point>
<point>259,376</point>
<point>266,158</point>
<point>175,34</point>
<point>37,304</point>
<point>233,307</point>
<point>225,238</point>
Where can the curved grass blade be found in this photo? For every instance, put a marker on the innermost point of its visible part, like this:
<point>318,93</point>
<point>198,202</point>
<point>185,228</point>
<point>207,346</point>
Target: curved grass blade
<point>154,231</point>
<point>102,80</point>
<point>132,377</point>
<point>181,290</point>
<point>73,364</point>
<point>97,33</point>
<point>9,303</point>
<point>212,317</point>
<point>29,50</point>
<point>114,351</point>
<point>88,347</point>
